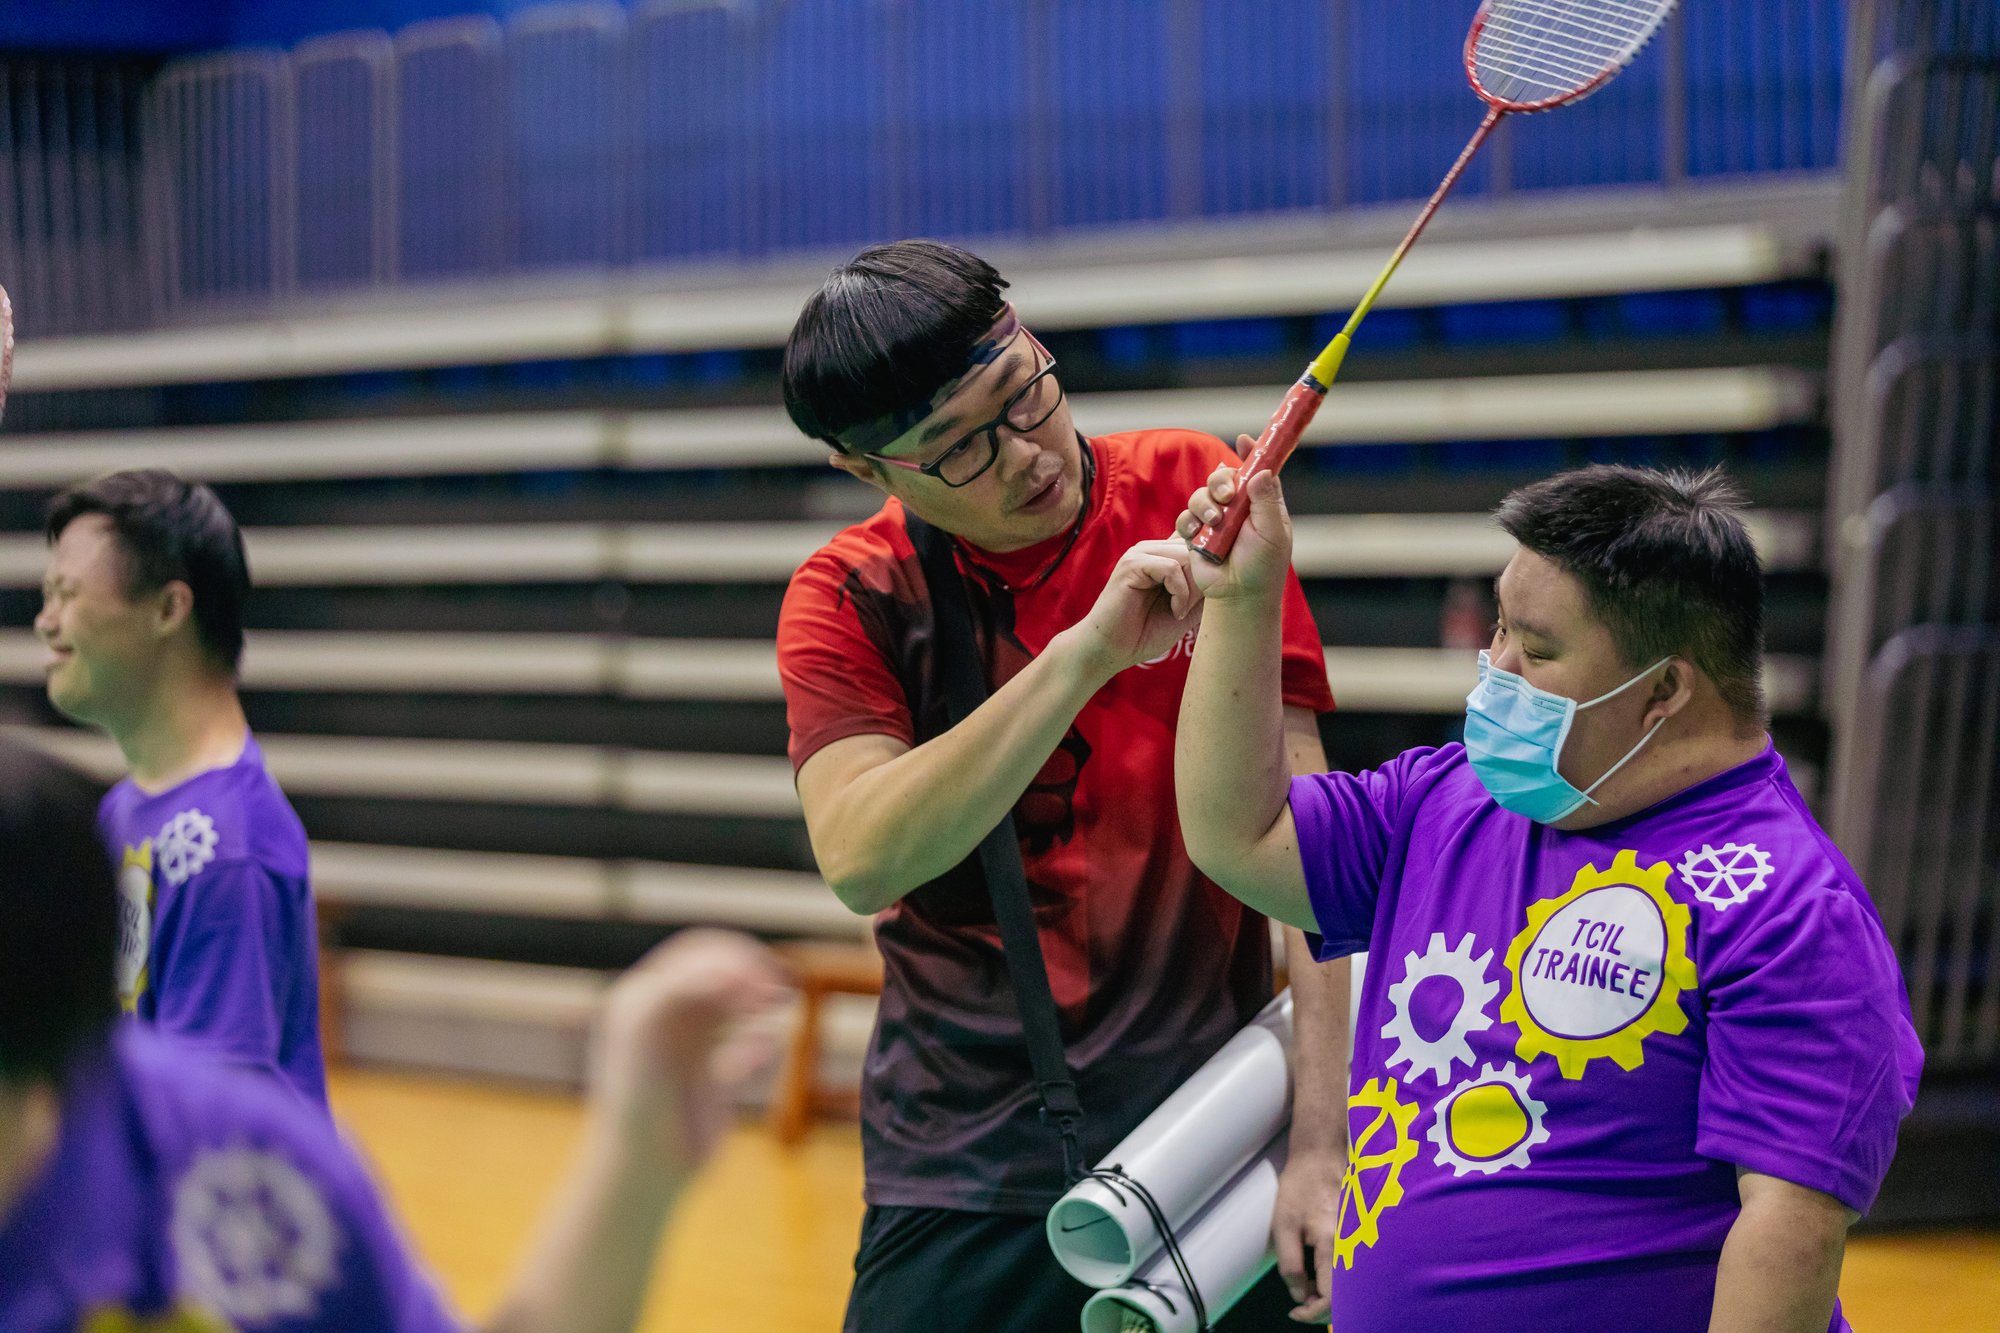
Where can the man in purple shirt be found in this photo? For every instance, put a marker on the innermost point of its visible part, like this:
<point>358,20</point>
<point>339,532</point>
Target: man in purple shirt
<point>1633,1046</point>
<point>145,1185</point>
<point>142,614</point>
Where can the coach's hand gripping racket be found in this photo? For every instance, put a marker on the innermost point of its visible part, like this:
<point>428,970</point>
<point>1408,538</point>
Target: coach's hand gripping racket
<point>1521,55</point>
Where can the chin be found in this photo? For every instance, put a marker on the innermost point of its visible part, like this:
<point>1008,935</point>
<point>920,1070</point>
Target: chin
<point>1062,522</point>
<point>71,700</point>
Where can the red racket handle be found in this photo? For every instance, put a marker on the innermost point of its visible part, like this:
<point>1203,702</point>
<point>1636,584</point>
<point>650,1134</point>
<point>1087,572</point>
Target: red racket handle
<point>1274,446</point>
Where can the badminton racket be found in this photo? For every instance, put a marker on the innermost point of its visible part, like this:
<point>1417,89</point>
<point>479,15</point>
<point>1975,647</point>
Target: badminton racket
<point>1520,56</point>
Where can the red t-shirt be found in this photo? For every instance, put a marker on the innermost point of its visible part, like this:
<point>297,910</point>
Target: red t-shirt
<point>1153,967</point>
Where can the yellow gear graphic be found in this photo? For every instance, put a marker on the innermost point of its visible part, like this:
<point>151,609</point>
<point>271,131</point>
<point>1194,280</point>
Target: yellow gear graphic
<point>1361,1156</point>
<point>1662,1014</point>
<point>109,1319</point>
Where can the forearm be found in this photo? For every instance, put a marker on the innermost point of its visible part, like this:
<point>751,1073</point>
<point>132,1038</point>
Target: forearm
<point>1780,1271</point>
<point>1319,1049</point>
<point>904,822</point>
<point>587,1271</point>
<point>1231,772</point>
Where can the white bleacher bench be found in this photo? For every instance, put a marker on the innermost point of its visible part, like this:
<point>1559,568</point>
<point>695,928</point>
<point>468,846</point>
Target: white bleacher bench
<point>1491,407</point>
<point>723,310</point>
<point>469,1015</point>
<point>1326,546</point>
<point>1365,680</point>
<point>1422,680</point>
<point>495,772</point>
<point>581,888</point>
<point>516,1020</point>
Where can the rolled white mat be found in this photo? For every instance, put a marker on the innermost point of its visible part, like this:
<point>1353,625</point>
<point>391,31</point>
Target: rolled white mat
<point>1227,1248</point>
<point>1192,1144</point>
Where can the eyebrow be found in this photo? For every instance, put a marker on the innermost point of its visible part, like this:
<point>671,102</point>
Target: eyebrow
<point>1518,625</point>
<point>1009,365</point>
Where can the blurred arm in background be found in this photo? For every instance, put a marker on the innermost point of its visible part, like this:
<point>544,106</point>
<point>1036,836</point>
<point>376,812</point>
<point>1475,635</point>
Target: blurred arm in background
<point>675,1037</point>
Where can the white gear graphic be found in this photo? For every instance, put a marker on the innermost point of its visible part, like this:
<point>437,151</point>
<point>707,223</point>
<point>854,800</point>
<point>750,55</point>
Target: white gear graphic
<point>1475,993</point>
<point>1532,1111</point>
<point>1726,875</point>
<point>184,845</point>
<point>254,1238</point>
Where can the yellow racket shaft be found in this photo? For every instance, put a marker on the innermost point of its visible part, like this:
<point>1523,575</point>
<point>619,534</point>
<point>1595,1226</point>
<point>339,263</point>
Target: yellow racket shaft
<point>1301,403</point>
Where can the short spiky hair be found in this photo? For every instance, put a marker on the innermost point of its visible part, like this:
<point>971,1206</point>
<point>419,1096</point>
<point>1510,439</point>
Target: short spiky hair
<point>1665,562</point>
<point>886,330</point>
<point>170,530</point>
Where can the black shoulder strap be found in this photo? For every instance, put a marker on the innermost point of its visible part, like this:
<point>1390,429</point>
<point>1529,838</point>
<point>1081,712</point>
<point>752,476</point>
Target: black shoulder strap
<point>999,855</point>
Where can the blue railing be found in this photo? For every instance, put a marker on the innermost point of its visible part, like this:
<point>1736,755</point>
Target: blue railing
<point>595,136</point>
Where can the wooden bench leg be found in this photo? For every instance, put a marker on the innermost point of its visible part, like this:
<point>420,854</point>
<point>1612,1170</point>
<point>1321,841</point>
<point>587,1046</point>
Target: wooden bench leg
<point>332,995</point>
<point>794,1098</point>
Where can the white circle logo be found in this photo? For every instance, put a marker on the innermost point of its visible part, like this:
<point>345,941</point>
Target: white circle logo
<point>1724,876</point>
<point>185,845</point>
<point>255,1241</point>
<point>1595,965</point>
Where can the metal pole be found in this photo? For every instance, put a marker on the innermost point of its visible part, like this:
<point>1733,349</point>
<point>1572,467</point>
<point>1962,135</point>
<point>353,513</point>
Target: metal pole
<point>1674,76</point>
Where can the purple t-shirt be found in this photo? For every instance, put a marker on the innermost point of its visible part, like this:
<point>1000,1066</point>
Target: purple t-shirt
<point>217,943</point>
<point>1568,1042</point>
<point>185,1196</point>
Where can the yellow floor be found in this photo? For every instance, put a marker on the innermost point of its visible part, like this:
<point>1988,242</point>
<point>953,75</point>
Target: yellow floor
<point>469,1166</point>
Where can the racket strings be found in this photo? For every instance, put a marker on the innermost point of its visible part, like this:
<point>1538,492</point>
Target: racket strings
<point>1621,27</point>
<point>1503,62</point>
<point>1539,50</point>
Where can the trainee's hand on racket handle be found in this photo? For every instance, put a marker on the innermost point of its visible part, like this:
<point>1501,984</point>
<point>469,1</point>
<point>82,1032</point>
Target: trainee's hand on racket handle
<point>1262,554</point>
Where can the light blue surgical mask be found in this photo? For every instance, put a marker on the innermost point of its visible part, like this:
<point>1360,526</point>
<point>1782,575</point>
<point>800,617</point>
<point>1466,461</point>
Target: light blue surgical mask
<point>1514,734</point>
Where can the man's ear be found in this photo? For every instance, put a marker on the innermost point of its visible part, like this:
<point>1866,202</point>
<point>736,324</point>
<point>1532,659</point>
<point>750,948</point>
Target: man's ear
<point>173,608</point>
<point>860,468</point>
<point>1673,691</point>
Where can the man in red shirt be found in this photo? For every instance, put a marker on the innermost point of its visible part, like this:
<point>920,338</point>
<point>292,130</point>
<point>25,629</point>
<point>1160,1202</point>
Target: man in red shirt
<point>914,370</point>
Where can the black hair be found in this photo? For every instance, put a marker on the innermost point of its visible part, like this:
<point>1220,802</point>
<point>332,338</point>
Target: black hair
<point>1665,562</point>
<point>886,330</point>
<point>171,530</point>
<point>59,900</point>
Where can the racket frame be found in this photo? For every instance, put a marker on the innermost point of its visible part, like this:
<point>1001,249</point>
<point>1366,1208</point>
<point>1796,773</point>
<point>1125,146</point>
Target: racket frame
<point>1302,401</point>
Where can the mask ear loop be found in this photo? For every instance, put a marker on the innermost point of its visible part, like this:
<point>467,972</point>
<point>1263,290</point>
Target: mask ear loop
<point>1612,694</point>
<point>1606,777</point>
<point>1622,762</point>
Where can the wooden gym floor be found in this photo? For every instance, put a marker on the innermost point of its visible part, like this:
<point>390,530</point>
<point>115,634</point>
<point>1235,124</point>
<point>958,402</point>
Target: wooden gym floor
<point>764,1239</point>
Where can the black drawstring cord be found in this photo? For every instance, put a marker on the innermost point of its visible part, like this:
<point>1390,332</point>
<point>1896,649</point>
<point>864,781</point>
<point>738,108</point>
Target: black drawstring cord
<point>1117,1182</point>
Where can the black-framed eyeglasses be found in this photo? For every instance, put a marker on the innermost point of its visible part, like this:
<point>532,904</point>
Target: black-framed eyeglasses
<point>1026,409</point>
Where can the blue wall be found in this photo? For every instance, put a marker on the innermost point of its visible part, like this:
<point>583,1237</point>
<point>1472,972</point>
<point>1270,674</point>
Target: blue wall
<point>285,22</point>
<point>116,25</point>
<point>200,25</point>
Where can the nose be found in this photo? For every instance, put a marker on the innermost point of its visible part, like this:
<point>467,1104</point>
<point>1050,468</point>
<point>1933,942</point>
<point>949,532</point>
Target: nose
<point>1017,454</point>
<point>1504,656</point>
<point>45,622</point>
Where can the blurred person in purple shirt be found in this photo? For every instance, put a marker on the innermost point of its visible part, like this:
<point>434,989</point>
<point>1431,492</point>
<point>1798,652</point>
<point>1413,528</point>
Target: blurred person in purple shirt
<point>1632,1047</point>
<point>145,1184</point>
<point>142,615</point>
